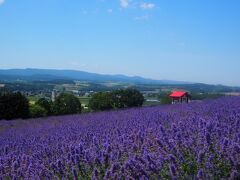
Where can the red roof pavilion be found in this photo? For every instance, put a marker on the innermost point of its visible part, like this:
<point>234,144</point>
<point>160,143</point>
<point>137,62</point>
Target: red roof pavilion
<point>178,94</point>
<point>180,97</point>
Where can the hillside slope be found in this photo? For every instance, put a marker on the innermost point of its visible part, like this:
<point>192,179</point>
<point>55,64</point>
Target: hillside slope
<point>50,74</point>
<point>179,141</point>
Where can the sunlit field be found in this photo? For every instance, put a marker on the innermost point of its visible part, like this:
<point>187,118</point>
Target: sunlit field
<point>199,140</point>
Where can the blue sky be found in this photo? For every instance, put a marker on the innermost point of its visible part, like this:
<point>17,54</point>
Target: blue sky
<point>188,40</point>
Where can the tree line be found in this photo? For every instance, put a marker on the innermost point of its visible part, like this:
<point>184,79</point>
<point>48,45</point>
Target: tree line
<point>116,99</point>
<point>17,106</point>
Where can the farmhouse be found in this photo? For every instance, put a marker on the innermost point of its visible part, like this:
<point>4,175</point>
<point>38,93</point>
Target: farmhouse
<point>180,97</point>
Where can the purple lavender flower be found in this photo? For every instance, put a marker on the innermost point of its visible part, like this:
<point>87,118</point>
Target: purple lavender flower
<point>197,140</point>
<point>201,156</point>
<point>173,170</point>
<point>201,174</point>
<point>235,175</point>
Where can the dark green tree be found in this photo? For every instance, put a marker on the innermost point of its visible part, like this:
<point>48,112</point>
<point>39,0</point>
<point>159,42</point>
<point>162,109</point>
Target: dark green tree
<point>164,98</point>
<point>101,101</point>
<point>66,104</point>
<point>118,98</point>
<point>37,111</point>
<point>132,98</point>
<point>13,106</point>
<point>46,104</point>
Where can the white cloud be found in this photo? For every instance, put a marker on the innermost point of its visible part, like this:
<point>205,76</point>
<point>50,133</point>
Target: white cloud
<point>1,2</point>
<point>124,3</point>
<point>147,5</point>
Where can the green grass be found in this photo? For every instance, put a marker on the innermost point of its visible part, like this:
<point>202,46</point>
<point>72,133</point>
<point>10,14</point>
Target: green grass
<point>84,100</point>
<point>33,99</point>
<point>151,103</point>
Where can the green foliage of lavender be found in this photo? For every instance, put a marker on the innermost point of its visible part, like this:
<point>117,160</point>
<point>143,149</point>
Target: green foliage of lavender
<point>195,141</point>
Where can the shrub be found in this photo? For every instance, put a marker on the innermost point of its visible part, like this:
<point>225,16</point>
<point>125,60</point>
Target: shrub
<point>13,106</point>
<point>47,105</point>
<point>37,111</point>
<point>165,98</point>
<point>118,98</point>
<point>101,101</point>
<point>67,104</point>
<point>132,98</point>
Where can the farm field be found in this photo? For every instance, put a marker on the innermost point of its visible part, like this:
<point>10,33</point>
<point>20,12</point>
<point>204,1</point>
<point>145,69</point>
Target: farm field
<point>197,140</point>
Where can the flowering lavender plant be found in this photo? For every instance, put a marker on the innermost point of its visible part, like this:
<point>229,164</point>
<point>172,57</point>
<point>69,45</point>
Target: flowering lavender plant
<point>195,141</point>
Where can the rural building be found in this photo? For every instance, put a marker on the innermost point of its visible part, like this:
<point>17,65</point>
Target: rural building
<point>180,97</point>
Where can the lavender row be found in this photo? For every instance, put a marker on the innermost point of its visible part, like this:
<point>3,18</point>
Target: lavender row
<point>195,141</point>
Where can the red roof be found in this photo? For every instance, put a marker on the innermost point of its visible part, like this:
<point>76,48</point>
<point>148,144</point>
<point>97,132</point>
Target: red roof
<point>178,94</point>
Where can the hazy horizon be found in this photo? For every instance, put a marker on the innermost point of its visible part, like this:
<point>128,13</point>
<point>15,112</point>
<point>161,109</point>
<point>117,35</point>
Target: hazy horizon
<point>195,41</point>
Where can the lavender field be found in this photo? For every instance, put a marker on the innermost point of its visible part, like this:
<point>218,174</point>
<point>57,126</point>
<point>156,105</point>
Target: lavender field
<point>195,141</point>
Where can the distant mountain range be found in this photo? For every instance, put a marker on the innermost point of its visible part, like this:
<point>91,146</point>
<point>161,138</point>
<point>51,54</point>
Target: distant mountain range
<point>53,74</point>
